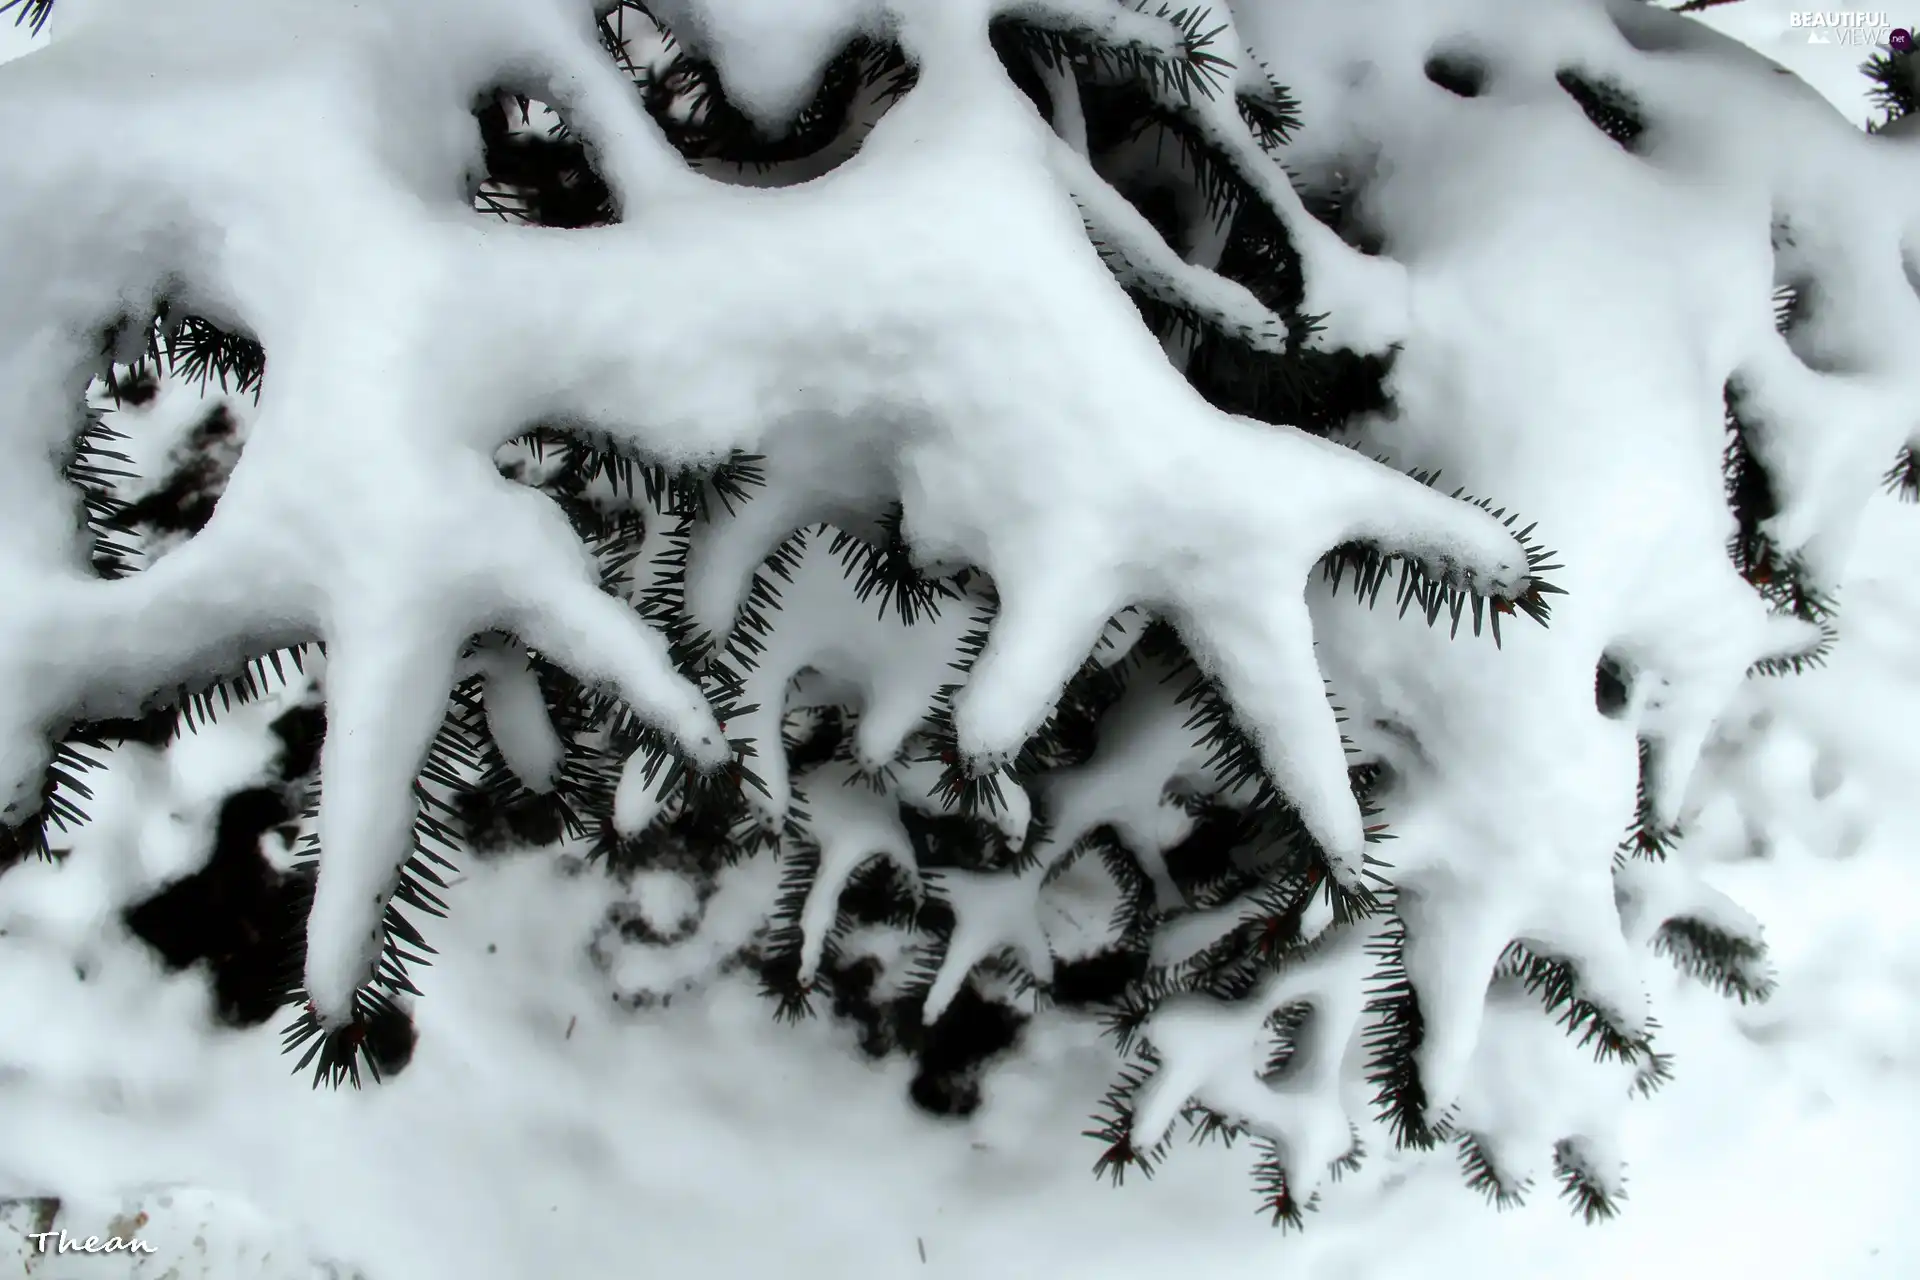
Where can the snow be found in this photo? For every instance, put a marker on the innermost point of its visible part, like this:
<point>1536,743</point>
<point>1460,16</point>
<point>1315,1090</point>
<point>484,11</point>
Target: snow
<point>854,824</point>
<point>517,716</point>
<point>1212,1052</point>
<point>1031,431</point>
<point>1583,387</point>
<point>1145,261</point>
<point>841,313</point>
<point>992,913</point>
<point>895,671</point>
<point>654,1137</point>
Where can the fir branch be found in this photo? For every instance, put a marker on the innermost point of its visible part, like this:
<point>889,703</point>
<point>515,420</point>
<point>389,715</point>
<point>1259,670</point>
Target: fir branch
<point>31,14</point>
<point>1314,389</point>
<point>1173,53</point>
<point>1782,580</point>
<point>710,800</point>
<point>1176,296</point>
<point>1581,1185</point>
<point>1395,1031</point>
<point>880,894</point>
<point>741,653</point>
<point>1213,867</point>
<point>1483,1174</point>
<point>1902,479</point>
<point>202,704</point>
<point>63,794</point>
<point>337,1054</point>
<point>1647,837</point>
<point>1263,188</point>
<point>1611,109</point>
<point>1233,758</point>
<point>1267,940</point>
<point>1275,1196</point>
<point>96,470</point>
<point>935,922</point>
<point>1126,1021</point>
<point>1021,982</point>
<point>686,99</point>
<point>1896,86</point>
<point>729,485</point>
<point>1556,984</point>
<point>780,973</point>
<point>1192,302</point>
<point>1070,736</point>
<point>1210,1126</point>
<point>1789,308</point>
<point>1733,965</point>
<point>1656,1071</point>
<point>704,814</point>
<point>1222,188</point>
<point>1284,1026</point>
<point>575,461</point>
<point>1446,588</point>
<point>1235,761</point>
<point>959,842</point>
<point>1803,658</point>
<point>1134,919</point>
<point>885,568</point>
<point>497,808</point>
<point>1270,113</point>
<point>197,350</point>
<point>532,180</point>
<point>967,787</point>
<point>1113,1125</point>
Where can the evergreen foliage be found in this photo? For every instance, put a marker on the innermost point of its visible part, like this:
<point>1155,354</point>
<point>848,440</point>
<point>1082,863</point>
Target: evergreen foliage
<point>620,793</point>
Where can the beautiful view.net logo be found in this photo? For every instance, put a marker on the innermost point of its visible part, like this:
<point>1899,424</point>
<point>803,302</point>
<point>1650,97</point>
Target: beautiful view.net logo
<point>1863,27</point>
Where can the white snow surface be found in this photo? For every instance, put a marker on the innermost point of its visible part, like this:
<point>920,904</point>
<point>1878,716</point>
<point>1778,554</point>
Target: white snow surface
<point>1566,316</point>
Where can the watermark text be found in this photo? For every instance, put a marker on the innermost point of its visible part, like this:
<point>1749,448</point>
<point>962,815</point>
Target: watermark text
<point>1864,28</point>
<point>61,1242</point>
